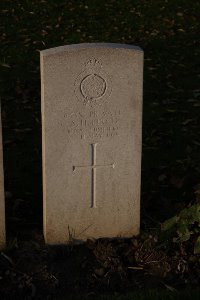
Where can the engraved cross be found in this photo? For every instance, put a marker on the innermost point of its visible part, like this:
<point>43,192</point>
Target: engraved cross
<point>93,168</point>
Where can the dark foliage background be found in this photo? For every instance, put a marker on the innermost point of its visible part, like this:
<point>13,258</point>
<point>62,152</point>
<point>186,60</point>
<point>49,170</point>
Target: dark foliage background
<point>168,31</point>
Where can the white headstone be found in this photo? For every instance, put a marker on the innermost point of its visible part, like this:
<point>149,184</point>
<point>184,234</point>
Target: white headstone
<point>2,199</point>
<point>91,119</point>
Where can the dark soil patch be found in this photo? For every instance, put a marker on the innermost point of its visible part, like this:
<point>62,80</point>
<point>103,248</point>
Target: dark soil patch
<point>32,270</point>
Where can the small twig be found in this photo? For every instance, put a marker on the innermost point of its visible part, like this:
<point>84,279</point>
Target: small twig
<point>136,268</point>
<point>152,262</point>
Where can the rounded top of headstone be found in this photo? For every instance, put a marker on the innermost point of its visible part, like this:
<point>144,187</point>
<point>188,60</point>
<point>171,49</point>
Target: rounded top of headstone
<point>76,47</point>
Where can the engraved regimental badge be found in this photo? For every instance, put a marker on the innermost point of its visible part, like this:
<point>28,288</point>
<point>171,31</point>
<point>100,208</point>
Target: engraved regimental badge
<point>93,85</point>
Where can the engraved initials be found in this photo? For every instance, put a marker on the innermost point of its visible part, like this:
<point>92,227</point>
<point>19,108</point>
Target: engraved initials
<point>94,168</point>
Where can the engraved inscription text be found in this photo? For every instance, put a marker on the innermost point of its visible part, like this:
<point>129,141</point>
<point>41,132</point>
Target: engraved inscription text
<point>94,124</point>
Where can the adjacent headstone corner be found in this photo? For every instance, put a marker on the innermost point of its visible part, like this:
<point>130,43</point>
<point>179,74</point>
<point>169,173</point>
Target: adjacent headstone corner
<point>2,241</point>
<point>2,197</point>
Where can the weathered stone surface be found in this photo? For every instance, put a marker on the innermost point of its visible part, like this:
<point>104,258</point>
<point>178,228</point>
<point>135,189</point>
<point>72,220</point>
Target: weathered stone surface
<point>2,199</point>
<point>91,118</point>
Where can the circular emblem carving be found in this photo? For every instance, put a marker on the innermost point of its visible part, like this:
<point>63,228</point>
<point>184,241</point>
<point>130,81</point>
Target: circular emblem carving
<point>93,85</point>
